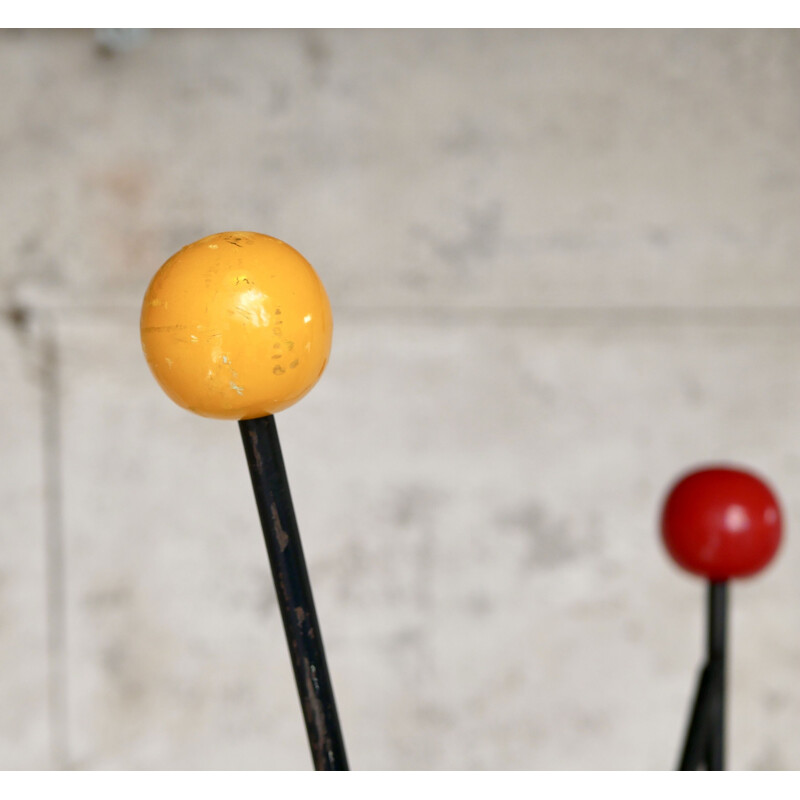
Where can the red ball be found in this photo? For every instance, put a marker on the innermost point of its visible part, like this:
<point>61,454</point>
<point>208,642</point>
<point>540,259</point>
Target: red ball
<point>721,523</point>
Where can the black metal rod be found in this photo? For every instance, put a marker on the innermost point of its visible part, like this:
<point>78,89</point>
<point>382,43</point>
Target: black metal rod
<point>717,647</point>
<point>271,487</point>
<point>696,742</point>
<point>705,737</point>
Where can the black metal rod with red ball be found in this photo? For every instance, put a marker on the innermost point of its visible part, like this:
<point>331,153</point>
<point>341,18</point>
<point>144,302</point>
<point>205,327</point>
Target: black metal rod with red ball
<point>720,523</point>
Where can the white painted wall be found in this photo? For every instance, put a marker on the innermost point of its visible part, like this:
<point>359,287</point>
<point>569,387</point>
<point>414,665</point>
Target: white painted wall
<point>563,267</point>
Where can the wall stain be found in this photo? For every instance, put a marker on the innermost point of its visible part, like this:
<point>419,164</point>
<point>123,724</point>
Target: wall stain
<point>469,251</point>
<point>548,542</point>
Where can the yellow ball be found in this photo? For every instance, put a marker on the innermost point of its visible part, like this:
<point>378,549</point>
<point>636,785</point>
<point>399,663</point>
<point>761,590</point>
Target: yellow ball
<point>236,326</point>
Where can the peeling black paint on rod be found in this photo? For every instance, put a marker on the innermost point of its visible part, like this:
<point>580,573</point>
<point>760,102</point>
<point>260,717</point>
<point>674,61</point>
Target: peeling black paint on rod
<point>271,487</point>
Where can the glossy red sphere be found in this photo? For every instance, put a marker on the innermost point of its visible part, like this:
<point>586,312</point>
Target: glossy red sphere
<point>721,523</point>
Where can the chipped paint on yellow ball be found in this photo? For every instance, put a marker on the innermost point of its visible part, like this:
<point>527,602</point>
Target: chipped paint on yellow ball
<point>236,326</point>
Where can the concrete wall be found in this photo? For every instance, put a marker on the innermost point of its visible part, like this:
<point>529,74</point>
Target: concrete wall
<point>563,267</point>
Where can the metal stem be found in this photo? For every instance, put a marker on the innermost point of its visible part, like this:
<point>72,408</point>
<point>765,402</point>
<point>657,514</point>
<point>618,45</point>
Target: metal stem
<point>697,735</point>
<point>271,487</point>
<point>705,736</point>
<point>717,647</point>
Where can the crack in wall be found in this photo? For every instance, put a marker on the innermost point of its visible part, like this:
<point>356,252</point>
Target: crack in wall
<point>54,548</point>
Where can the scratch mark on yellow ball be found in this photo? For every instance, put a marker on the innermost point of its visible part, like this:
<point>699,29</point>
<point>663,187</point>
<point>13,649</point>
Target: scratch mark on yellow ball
<point>163,328</point>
